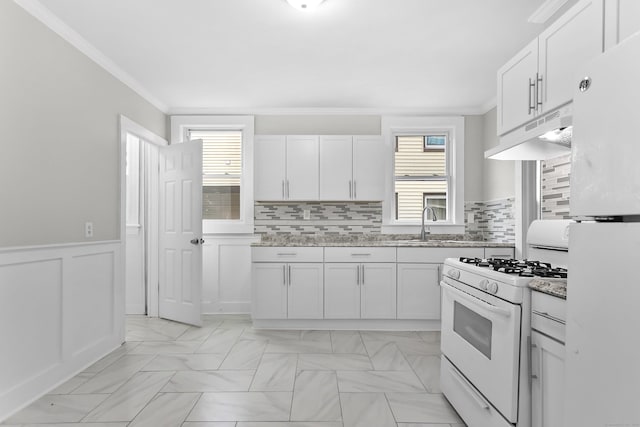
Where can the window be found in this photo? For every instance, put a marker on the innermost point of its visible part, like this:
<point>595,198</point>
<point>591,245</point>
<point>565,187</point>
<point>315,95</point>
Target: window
<point>421,176</point>
<point>227,175</point>
<point>221,172</point>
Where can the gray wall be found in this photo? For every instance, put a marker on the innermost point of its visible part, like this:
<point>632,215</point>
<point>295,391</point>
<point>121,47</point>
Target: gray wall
<point>473,158</point>
<point>498,175</point>
<point>59,133</point>
<point>317,125</point>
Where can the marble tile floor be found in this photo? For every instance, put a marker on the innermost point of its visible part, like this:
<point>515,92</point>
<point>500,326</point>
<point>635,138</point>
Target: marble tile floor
<point>227,374</point>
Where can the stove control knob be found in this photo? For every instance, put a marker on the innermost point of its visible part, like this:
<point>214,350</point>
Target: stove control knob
<point>492,287</point>
<point>454,274</point>
<point>483,284</point>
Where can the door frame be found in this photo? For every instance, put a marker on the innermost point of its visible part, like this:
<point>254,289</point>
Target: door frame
<point>128,126</point>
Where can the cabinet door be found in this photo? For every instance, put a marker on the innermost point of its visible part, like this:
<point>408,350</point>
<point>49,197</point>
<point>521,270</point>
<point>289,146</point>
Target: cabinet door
<point>515,95</point>
<point>305,291</point>
<point>565,47</point>
<point>547,385</point>
<point>303,181</point>
<point>418,291</point>
<point>269,180</point>
<point>342,291</point>
<point>269,286</point>
<point>368,168</point>
<point>336,164</point>
<point>378,291</point>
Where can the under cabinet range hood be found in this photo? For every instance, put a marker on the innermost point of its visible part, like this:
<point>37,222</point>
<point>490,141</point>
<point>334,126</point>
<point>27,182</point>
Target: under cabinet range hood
<point>546,137</point>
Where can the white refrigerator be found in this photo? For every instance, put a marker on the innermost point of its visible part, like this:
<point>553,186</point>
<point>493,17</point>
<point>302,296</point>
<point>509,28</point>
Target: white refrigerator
<point>602,382</point>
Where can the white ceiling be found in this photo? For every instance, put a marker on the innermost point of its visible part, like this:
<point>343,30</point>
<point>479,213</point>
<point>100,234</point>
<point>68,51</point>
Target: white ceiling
<point>190,56</point>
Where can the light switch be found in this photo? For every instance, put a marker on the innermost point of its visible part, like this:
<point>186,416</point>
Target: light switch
<point>471,217</point>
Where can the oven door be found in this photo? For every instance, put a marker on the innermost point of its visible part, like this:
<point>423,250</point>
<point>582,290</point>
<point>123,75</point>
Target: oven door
<point>481,337</point>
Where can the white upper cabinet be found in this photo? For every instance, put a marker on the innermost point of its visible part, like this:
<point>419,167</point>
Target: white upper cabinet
<point>270,163</point>
<point>368,168</point>
<point>564,48</point>
<point>302,168</point>
<point>286,168</point>
<point>541,77</point>
<point>336,167</point>
<point>516,84</point>
<point>622,19</point>
<point>351,168</point>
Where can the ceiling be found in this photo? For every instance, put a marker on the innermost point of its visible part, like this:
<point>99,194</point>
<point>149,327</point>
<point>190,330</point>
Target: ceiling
<point>217,56</point>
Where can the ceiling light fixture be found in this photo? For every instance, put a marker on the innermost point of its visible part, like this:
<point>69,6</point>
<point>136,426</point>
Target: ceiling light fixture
<point>305,5</point>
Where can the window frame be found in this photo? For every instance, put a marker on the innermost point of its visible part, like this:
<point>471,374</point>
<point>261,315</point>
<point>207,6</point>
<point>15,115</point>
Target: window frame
<point>181,125</point>
<point>453,126</point>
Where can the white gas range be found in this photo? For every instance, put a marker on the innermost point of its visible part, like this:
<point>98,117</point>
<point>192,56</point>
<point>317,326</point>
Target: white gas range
<point>486,323</point>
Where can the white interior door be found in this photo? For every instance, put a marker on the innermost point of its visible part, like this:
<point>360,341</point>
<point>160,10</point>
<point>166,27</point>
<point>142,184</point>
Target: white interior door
<point>180,281</point>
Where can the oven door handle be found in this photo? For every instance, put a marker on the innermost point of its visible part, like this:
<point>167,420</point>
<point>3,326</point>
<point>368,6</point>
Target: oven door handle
<point>475,301</point>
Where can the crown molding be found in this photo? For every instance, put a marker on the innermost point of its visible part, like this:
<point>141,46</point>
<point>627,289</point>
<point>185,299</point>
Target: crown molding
<point>44,15</point>
<point>471,111</point>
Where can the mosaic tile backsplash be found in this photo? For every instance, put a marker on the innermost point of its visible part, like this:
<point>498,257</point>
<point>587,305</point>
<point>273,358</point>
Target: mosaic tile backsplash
<point>555,187</point>
<point>325,218</point>
<point>494,221</point>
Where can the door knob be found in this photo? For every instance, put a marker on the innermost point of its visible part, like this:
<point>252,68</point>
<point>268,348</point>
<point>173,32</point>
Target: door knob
<point>197,241</point>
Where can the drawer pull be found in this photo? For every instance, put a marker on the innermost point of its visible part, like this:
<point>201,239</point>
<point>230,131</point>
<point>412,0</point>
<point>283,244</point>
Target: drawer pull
<point>360,254</point>
<point>287,254</point>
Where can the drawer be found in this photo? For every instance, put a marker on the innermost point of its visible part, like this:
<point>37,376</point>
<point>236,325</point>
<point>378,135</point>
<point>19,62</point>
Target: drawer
<point>359,254</point>
<point>287,254</point>
<point>470,404</point>
<point>436,255</point>
<point>506,253</point>
<point>549,306</point>
<point>548,326</point>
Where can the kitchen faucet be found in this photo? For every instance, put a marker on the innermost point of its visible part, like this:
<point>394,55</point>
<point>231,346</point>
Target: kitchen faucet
<point>423,233</point>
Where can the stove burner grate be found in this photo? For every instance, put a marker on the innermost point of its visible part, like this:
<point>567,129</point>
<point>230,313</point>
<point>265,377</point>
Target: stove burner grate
<point>523,268</point>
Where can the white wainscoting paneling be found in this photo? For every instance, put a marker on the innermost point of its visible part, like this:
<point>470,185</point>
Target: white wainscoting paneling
<point>61,309</point>
<point>226,275</point>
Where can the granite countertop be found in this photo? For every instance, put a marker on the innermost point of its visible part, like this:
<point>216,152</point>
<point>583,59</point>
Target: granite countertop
<point>554,287</point>
<point>381,240</point>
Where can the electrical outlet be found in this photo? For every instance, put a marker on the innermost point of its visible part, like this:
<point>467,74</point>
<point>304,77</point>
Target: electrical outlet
<point>306,214</point>
<point>88,229</point>
<point>471,217</point>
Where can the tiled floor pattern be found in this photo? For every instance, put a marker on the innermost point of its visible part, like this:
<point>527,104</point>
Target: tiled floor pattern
<point>226,374</point>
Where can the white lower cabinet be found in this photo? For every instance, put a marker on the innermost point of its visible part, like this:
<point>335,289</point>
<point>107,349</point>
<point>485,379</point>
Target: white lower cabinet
<point>547,384</point>
<point>360,290</point>
<point>419,291</point>
<point>287,283</point>
<point>287,291</point>
<point>547,360</point>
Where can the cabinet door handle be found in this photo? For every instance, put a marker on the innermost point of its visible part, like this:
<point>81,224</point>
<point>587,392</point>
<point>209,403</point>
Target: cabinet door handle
<point>351,189</point>
<point>358,276</point>
<point>355,193</point>
<point>289,274</point>
<point>362,266</point>
<point>288,190</point>
<point>284,275</point>
<point>283,195</point>
<point>538,91</point>
<point>531,104</point>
